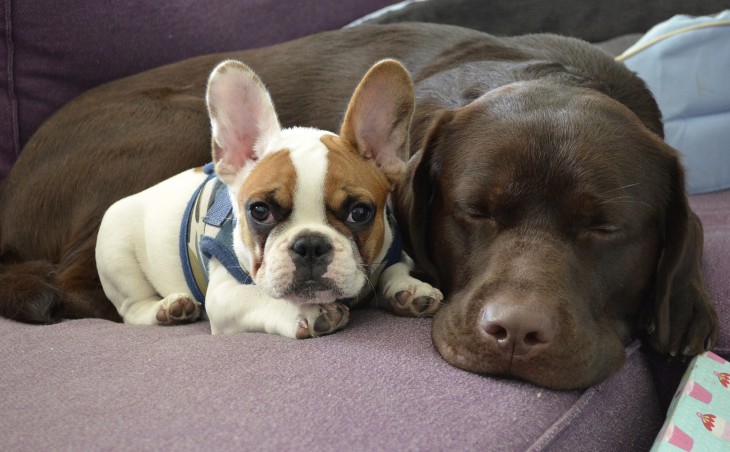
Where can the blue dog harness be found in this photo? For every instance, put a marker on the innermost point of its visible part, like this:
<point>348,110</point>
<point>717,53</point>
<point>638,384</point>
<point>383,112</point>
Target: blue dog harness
<point>206,232</point>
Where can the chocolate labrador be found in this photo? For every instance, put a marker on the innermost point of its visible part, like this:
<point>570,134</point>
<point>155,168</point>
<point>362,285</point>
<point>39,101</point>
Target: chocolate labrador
<point>539,194</point>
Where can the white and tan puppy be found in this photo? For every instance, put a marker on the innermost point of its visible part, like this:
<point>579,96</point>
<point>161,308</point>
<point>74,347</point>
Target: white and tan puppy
<point>308,225</point>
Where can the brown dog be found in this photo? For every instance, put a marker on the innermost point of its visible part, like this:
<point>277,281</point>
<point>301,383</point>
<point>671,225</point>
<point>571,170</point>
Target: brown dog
<point>540,195</point>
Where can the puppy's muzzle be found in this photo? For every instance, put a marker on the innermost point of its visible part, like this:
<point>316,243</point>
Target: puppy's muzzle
<point>311,255</point>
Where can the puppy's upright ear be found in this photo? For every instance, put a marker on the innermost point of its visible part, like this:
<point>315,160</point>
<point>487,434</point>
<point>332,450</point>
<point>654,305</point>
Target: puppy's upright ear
<point>242,118</point>
<point>684,317</point>
<point>378,118</point>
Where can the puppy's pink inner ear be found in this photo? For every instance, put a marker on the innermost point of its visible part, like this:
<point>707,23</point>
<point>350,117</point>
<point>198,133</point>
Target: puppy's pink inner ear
<point>230,158</point>
<point>381,139</point>
<point>242,117</point>
<point>378,118</point>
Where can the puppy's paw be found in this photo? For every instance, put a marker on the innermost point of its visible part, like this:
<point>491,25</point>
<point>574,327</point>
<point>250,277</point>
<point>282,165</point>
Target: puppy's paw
<point>177,308</point>
<point>320,319</point>
<point>409,297</point>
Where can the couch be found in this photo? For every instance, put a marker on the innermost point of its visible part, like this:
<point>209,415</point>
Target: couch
<point>377,385</point>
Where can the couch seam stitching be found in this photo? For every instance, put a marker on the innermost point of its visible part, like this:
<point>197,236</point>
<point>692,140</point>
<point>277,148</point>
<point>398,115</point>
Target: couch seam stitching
<point>566,419</point>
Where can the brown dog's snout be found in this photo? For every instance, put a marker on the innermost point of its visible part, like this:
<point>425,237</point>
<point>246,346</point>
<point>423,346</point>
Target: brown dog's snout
<point>516,330</point>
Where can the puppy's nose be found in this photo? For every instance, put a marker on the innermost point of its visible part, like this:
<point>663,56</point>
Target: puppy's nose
<point>517,330</point>
<point>311,248</point>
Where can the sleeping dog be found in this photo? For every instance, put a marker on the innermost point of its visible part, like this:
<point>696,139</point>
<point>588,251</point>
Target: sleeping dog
<point>539,196</point>
<point>293,225</point>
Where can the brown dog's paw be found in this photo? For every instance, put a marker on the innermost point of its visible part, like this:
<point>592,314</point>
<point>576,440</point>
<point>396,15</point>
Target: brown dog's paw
<point>178,308</point>
<point>417,300</point>
<point>320,319</point>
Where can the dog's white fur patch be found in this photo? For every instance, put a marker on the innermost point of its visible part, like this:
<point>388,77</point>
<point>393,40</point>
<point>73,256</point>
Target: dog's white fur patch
<point>309,158</point>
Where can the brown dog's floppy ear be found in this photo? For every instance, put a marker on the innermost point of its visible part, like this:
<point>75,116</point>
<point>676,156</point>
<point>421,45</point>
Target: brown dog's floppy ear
<point>416,193</point>
<point>378,118</point>
<point>685,321</point>
<point>242,117</point>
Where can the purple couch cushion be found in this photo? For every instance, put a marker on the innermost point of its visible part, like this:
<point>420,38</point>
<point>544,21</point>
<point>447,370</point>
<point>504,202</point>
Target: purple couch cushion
<point>377,385</point>
<point>51,51</point>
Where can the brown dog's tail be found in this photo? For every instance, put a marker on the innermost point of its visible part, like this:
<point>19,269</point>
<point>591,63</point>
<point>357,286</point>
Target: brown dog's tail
<point>28,292</point>
<point>43,292</point>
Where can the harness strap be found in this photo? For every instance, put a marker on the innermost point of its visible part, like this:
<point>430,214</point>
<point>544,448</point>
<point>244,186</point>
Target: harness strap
<point>209,237</point>
<point>396,247</point>
<point>188,270</point>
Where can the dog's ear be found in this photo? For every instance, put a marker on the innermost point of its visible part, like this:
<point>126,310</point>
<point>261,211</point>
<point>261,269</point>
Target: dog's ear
<point>242,117</point>
<point>416,193</point>
<point>378,117</point>
<point>684,318</point>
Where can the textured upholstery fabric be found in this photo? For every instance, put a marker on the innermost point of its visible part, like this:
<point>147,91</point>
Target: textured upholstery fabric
<point>377,385</point>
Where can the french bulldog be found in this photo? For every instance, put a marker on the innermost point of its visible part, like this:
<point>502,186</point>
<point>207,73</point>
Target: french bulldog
<point>287,227</point>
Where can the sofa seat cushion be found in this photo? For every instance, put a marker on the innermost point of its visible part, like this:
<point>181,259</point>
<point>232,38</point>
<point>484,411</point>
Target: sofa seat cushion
<point>379,384</point>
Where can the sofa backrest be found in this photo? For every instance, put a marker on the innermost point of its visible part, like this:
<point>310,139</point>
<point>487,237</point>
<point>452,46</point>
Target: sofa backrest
<point>52,51</point>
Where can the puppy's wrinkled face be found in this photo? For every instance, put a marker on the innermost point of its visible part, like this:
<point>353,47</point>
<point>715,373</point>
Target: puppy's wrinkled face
<point>547,226</point>
<point>311,218</point>
<point>310,205</point>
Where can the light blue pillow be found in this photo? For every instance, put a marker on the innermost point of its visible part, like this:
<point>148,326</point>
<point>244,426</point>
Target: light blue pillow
<point>685,61</point>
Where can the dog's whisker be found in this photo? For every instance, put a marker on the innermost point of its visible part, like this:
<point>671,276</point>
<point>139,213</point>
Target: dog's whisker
<point>621,188</point>
<point>641,203</point>
<point>618,198</point>
<point>624,199</point>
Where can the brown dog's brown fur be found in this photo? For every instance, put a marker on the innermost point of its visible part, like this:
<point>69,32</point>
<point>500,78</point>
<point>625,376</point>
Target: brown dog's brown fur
<point>539,187</point>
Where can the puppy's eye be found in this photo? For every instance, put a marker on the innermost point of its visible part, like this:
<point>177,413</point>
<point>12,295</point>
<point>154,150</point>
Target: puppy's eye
<point>360,214</point>
<point>261,213</point>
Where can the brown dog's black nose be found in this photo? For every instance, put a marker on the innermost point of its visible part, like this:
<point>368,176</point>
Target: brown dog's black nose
<point>517,329</point>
